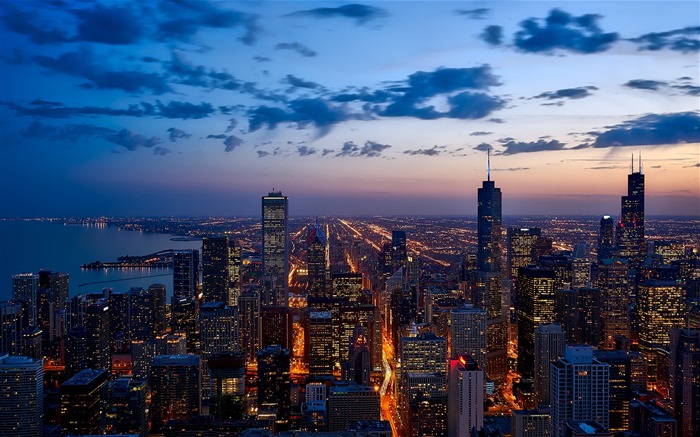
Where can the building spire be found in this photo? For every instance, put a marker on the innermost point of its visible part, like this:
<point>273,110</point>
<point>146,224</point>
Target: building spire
<point>632,163</point>
<point>640,161</point>
<point>488,164</point>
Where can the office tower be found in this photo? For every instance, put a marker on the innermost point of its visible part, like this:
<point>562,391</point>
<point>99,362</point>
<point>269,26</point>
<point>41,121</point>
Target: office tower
<point>468,333</point>
<point>606,238</point>
<point>359,363</point>
<point>579,389</point>
<point>580,272</point>
<point>219,332</point>
<point>175,388</point>
<point>424,353</point>
<point>57,285</point>
<point>427,417</point>
<point>316,261</point>
<point>521,248</point>
<point>185,273</point>
<point>489,250</point>
<point>77,307</point>
<point>347,286</point>
<point>235,262</point>
<point>684,375</point>
<point>615,295</point>
<point>11,327</point>
<point>227,375</point>
<point>97,327</point>
<point>399,250</point>
<point>316,391</point>
<point>215,269</point>
<point>550,340</point>
<point>159,303</point>
<point>274,389</point>
<point>31,343</point>
<point>124,407</point>
<point>649,419</point>
<point>424,385</point>
<point>249,311</point>
<point>275,326</point>
<point>466,397</point>
<point>184,320</point>
<point>275,250</point>
<point>351,402</point>
<point>589,323</point>
<point>171,344</point>
<point>119,323</point>
<point>142,354</point>
<point>531,423</point>
<point>536,294</point>
<point>21,396</point>
<point>81,402</point>
<point>627,375</point>
<point>319,340</point>
<point>566,313</point>
<point>630,229</point>
<point>489,295</point>
<point>76,350</point>
<point>369,318</point>
<point>24,289</point>
<point>143,310</point>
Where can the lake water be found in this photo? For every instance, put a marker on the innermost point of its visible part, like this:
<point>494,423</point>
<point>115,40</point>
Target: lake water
<point>30,246</point>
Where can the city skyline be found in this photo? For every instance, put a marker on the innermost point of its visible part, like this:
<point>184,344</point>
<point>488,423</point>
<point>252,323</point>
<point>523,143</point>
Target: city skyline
<point>197,108</point>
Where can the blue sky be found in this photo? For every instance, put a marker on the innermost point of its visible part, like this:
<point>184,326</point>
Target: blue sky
<point>194,107</point>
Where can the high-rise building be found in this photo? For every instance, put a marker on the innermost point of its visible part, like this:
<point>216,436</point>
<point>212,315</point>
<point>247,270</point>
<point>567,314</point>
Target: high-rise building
<point>347,286</point>
<point>57,285</point>
<point>249,311</point>
<point>630,228</point>
<point>97,328</point>
<point>399,250</point>
<point>615,296</point>
<point>275,326</point>
<point>536,294</point>
<point>215,269</point>
<point>21,396</point>
<point>124,407</point>
<point>489,251</point>
<point>184,320</point>
<point>425,352</point>
<point>75,350</point>
<point>142,354</point>
<point>274,390</point>
<point>159,303</point>
<point>31,343</point>
<point>606,238</point>
<point>489,294</point>
<point>359,363</point>
<point>531,423</point>
<point>143,310</point>
<point>227,375</point>
<point>550,340</point>
<point>319,338</point>
<point>579,389</point>
<point>521,248</point>
<point>684,375</point>
<point>465,394</point>
<point>627,375</point>
<point>219,332</point>
<point>24,289</point>
<point>468,333</point>
<point>11,327</point>
<point>185,273</point>
<point>649,419</point>
<point>369,318</point>
<point>81,402</point>
<point>428,417</point>
<point>175,388</point>
<point>317,261</point>
<point>351,402</point>
<point>275,235</point>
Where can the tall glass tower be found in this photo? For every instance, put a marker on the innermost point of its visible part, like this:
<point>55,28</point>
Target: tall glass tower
<point>630,228</point>
<point>275,249</point>
<point>488,255</point>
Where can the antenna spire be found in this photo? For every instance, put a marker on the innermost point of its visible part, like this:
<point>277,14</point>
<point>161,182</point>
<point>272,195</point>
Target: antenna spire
<point>640,161</point>
<point>632,163</point>
<point>488,164</point>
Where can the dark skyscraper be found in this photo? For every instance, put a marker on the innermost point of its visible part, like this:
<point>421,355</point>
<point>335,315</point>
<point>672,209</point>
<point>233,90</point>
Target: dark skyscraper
<point>630,228</point>
<point>684,370</point>
<point>273,380</point>
<point>521,248</point>
<point>81,402</point>
<point>606,237</point>
<point>537,295</point>
<point>175,388</point>
<point>488,256</point>
<point>399,250</point>
<point>275,250</point>
<point>185,273</point>
<point>97,328</point>
<point>316,256</point>
<point>215,269</point>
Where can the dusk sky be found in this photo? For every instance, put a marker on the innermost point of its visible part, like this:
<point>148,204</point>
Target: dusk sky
<point>194,107</point>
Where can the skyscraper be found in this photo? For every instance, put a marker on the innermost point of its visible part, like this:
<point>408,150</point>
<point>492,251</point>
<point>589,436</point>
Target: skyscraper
<point>521,248</point>
<point>219,332</point>
<point>81,398</point>
<point>319,339</point>
<point>249,311</point>
<point>215,269</point>
<point>351,402</point>
<point>606,238</point>
<point>11,322</point>
<point>684,369</point>
<point>316,260</point>
<point>99,355</point>
<point>227,375</point>
<point>489,251</point>
<point>175,388</point>
<point>399,250</point>
<point>124,407</point>
<point>536,297</point>
<point>465,393</point>
<point>274,390</point>
<point>550,341</point>
<point>21,396</point>
<point>630,228</point>
<point>185,273</point>
<point>275,235</point>
<point>628,374</point>
<point>579,389</point>
<point>615,297</point>
<point>468,333</point>
<point>75,350</point>
<point>24,288</point>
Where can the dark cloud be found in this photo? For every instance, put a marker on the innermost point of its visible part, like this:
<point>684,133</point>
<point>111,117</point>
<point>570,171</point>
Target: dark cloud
<point>511,169</point>
<point>184,18</point>
<point>651,130</point>
<point>23,23</point>
<point>261,59</point>
<point>132,140</point>
<point>232,123</point>
<point>643,84</point>
<point>493,35</point>
<point>117,24</point>
<point>688,166</point>
<point>325,152</point>
<point>299,82</point>
<point>306,151</point>
<point>474,14</point>
<point>515,147</point>
<point>161,151</point>
<point>175,134</point>
<point>186,73</point>
<point>360,13</point>
<point>216,137</point>
<point>262,153</point>
<point>433,151</point>
<point>497,120</point>
<point>567,93</point>
<point>480,133</point>
<point>231,142</point>
<point>565,32</point>
<point>184,110</point>
<point>363,95</point>
<point>84,65</point>
<point>302,112</point>
<point>607,167</point>
<point>686,40</point>
<point>483,147</point>
<point>71,133</point>
<point>691,90</point>
<point>174,109</point>
<point>370,149</point>
<point>296,47</point>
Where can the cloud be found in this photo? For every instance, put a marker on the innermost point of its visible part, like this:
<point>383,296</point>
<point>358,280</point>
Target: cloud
<point>231,142</point>
<point>262,153</point>
<point>493,35</point>
<point>71,133</point>
<point>174,109</point>
<point>657,85</point>
<point>483,147</point>
<point>261,59</point>
<point>175,134</point>
<point>433,151</point>
<point>300,83</point>
<point>360,13</point>
<point>161,151</point>
<point>651,130</point>
<point>184,110</point>
<point>480,133</point>
<point>325,152</point>
<point>474,14</point>
<point>232,123</point>
<point>567,93</point>
<point>306,151</point>
<point>497,120</point>
<point>302,112</point>
<point>565,32</point>
<point>23,23</point>
<point>217,136</point>
<point>607,167</point>
<point>370,149</point>
<point>132,140</point>
<point>83,64</point>
<point>187,73</point>
<point>515,147</point>
<point>296,47</point>
<point>685,40</point>
<point>511,169</point>
<point>118,24</point>
<point>689,166</point>
<point>643,84</point>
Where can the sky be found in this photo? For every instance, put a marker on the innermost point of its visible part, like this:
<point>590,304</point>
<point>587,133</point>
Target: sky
<point>196,107</point>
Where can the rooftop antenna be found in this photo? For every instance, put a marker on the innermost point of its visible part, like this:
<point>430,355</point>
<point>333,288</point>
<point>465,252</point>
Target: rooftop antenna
<point>640,161</point>
<point>633,163</point>
<point>488,164</point>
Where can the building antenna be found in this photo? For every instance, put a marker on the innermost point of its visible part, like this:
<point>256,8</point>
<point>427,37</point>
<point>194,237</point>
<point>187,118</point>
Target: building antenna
<point>488,164</point>
<point>632,162</point>
<point>640,161</point>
